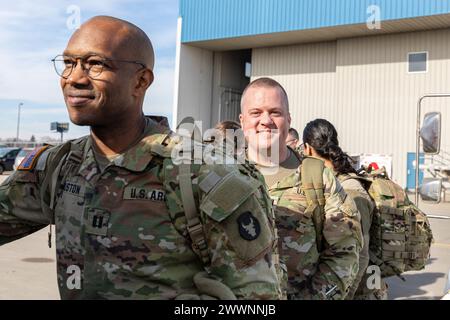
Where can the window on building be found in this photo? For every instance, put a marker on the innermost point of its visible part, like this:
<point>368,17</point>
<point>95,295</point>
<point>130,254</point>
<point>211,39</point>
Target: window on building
<point>248,69</point>
<point>417,62</point>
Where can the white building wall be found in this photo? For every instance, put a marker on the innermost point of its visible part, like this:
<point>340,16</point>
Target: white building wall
<point>362,86</point>
<point>195,79</point>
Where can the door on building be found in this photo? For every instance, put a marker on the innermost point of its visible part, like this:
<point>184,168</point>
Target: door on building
<point>232,73</point>
<point>230,104</point>
<point>411,170</point>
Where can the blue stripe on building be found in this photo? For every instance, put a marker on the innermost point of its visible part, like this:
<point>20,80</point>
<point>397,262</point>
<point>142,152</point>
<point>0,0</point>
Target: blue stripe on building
<point>218,19</point>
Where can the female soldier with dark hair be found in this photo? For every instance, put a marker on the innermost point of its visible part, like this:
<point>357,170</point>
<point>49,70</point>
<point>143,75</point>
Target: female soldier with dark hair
<point>320,140</point>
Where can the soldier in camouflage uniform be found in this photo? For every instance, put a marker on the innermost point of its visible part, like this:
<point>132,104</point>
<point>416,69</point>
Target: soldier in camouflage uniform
<point>131,223</point>
<point>321,140</point>
<point>320,252</point>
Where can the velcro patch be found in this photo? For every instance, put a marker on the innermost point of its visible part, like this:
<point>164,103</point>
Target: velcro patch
<point>229,194</point>
<point>29,162</point>
<point>139,193</point>
<point>97,222</point>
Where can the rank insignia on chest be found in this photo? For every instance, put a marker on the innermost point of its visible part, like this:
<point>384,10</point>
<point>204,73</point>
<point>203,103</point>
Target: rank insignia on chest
<point>97,222</point>
<point>139,193</point>
<point>249,227</point>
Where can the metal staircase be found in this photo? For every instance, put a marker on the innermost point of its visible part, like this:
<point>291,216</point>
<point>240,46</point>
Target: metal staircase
<point>439,165</point>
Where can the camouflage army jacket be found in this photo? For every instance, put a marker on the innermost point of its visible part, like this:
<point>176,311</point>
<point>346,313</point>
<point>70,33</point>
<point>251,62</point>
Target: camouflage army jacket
<point>123,231</point>
<point>314,273</point>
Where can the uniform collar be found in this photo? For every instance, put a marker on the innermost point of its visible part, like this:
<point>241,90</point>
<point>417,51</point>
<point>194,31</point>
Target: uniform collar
<point>139,156</point>
<point>88,168</point>
<point>134,159</point>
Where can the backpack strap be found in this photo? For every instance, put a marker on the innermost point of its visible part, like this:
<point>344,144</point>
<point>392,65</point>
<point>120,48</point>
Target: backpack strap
<point>194,224</point>
<point>312,186</point>
<point>50,182</point>
<point>191,212</point>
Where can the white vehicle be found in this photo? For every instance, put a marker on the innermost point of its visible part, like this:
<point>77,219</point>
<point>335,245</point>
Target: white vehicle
<point>20,156</point>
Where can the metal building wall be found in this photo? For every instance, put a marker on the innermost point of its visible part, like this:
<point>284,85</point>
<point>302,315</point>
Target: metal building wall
<point>307,72</point>
<point>362,86</point>
<point>219,19</point>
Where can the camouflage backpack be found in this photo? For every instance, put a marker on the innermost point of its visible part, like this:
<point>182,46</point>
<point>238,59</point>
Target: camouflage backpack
<point>400,233</point>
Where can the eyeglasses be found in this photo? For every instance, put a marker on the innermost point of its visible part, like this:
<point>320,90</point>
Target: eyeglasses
<point>92,64</point>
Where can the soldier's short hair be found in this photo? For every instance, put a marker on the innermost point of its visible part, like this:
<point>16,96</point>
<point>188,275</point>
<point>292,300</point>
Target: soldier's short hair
<point>294,133</point>
<point>267,83</point>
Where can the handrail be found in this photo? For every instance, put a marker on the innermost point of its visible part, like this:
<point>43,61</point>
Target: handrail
<point>419,110</point>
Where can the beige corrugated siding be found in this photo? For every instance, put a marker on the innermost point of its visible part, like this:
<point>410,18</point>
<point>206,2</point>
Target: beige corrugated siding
<point>362,86</point>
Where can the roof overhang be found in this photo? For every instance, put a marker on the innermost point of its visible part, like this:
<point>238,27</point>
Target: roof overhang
<point>324,34</point>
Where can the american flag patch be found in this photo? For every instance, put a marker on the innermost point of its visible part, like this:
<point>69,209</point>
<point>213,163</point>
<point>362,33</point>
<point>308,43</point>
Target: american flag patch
<point>29,162</point>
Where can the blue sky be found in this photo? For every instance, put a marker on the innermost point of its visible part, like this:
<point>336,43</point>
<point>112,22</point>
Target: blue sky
<point>33,32</point>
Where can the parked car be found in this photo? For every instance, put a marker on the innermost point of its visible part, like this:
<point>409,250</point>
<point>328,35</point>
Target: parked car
<point>20,156</point>
<point>7,158</point>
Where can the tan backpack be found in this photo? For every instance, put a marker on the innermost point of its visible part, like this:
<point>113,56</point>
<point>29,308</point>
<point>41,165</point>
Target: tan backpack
<point>400,234</point>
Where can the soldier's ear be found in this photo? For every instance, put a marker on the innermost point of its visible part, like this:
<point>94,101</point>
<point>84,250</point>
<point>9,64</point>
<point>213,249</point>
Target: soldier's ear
<point>145,79</point>
<point>241,119</point>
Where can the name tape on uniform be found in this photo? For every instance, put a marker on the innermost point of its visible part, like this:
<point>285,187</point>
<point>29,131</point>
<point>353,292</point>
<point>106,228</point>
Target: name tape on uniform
<point>138,193</point>
<point>73,188</point>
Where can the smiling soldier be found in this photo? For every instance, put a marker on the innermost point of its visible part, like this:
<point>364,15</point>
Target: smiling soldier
<point>130,224</point>
<point>319,226</point>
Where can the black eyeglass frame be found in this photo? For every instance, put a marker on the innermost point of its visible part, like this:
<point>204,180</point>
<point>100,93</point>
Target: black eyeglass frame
<point>103,59</point>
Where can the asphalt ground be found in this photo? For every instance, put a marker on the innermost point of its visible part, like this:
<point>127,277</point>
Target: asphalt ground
<point>28,266</point>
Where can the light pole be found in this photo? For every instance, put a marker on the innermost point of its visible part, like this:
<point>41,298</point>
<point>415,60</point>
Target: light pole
<point>18,124</point>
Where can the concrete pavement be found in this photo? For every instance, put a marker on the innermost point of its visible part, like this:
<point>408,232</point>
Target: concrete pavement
<point>28,267</point>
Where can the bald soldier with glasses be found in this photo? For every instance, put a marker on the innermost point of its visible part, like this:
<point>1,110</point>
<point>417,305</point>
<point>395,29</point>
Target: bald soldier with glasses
<point>131,223</point>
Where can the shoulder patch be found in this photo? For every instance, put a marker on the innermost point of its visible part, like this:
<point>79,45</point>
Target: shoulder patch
<point>249,227</point>
<point>29,162</point>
